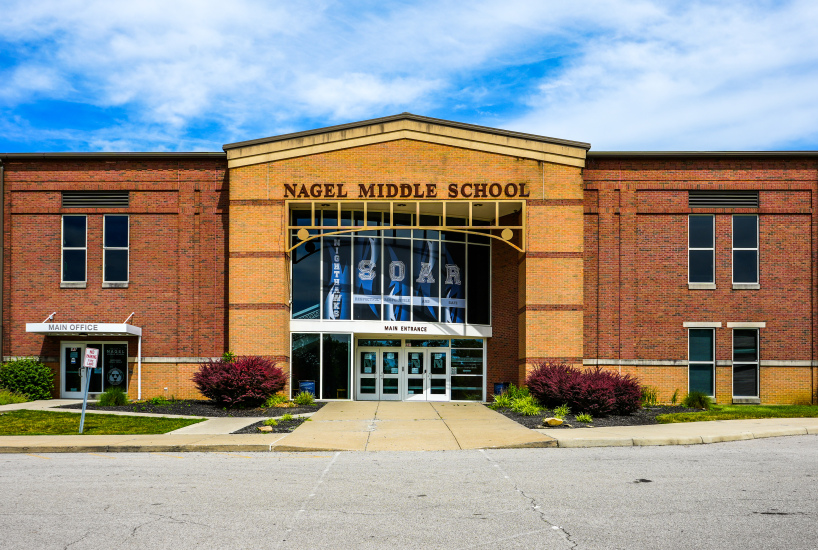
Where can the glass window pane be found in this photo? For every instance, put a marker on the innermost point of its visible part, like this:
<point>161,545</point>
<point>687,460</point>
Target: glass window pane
<point>745,380</point>
<point>467,343</point>
<point>701,266</point>
<point>745,266</point>
<point>427,220</point>
<point>745,231</point>
<point>701,231</point>
<point>397,264</point>
<point>452,235</point>
<point>467,388</point>
<point>336,352</point>
<point>116,266</point>
<point>701,344</point>
<point>73,231</point>
<point>745,345</point>
<point>701,378</point>
<point>115,362</point>
<point>367,279</point>
<point>116,231</point>
<point>476,238</point>
<point>306,285</point>
<point>467,361</point>
<point>73,265</point>
<point>427,343</point>
<point>478,285</point>
<point>306,361</point>
<point>453,273</point>
<point>337,277</point>
<point>367,343</point>
<point>426,281</point>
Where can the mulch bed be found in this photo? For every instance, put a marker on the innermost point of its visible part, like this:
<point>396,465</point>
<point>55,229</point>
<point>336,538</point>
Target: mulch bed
<point>195,407</point>
<point>639,418</point>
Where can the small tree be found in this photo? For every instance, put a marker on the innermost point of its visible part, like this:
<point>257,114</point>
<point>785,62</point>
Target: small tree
<point>28,377</point>
<point>243,382</point>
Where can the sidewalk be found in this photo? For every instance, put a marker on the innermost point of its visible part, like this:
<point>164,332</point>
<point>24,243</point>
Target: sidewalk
<point>396,426</point>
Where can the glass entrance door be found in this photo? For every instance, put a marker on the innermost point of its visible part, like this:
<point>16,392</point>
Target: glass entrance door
<point>426,375</point>
<point>379,374</point>
<point>111,371</point>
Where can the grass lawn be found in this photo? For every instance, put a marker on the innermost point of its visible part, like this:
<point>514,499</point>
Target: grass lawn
<point>25,422</point>
<point>740,412</point>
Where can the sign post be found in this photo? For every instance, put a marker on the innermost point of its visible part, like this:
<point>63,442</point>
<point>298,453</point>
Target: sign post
<point>89,363</point>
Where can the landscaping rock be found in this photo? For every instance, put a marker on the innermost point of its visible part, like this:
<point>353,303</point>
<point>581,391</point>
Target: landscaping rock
<point>552,421</point>
<point>265,428</point>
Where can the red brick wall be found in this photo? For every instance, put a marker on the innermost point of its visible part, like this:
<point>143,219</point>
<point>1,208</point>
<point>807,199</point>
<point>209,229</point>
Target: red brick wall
<point>177,266</point>
<point>636,248</point>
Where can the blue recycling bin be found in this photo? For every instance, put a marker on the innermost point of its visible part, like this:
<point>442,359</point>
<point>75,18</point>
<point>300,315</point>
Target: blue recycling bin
<point>307,386</point>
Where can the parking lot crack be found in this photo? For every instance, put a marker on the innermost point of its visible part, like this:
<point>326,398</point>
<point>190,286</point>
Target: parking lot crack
<point>533,504</point>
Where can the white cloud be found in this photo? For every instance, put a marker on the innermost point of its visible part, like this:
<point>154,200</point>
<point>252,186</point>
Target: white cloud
<point>634,74</point>
<point>728,77</point>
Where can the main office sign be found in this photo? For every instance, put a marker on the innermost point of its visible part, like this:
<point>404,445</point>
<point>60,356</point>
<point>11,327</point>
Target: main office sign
<point>408,191</point>
<point>80,329</point>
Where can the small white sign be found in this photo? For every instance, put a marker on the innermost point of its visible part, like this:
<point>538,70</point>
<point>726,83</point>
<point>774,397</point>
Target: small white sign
<point>90,359</point>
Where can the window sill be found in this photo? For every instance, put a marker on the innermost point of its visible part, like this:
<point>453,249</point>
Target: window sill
<point>746,401</point>
<point>73,285</point>
<point>701,286</point>
<point>114,285</point>
<point>746,286</point>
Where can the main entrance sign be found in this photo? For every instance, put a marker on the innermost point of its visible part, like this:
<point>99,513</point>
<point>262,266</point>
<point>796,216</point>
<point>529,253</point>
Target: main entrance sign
<point>407,191</point>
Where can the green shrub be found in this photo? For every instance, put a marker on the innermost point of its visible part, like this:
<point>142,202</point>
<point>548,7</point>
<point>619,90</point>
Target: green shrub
<point>697,400</point>
<point>584,417</point>
<point>675,397</point>
<point>286,417</point>
<point>158,400</point>
<point>502,401</point>
<point>9,397</point>
<point>650,396</point>
<point>29,377</point>
<point>113,397</point>
<point>274,400</point>
<point>271,422</point>
<point>304,398</point>
<point>526,406</point>
<point>562,411</point>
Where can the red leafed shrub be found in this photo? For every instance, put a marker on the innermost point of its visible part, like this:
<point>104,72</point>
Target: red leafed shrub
<point>596,392</point>
<point>244,382</point>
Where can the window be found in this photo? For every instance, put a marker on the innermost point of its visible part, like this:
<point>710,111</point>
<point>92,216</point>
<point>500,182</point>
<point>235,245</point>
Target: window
<point>700,249</point>
<point>115,250</point>
<point>745,249</point>
<point>74,249</point>
<point>701,360</point>
<point>745,362</point>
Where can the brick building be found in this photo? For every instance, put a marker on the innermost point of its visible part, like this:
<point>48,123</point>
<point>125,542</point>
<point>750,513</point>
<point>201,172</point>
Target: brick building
<point>415,259</point>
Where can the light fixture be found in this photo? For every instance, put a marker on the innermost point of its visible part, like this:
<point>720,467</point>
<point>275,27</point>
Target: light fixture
<point>403,204</point>
<point>480,204</point>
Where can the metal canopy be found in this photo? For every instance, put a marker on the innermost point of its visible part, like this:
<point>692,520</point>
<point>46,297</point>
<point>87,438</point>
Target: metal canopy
<point>84,329</point>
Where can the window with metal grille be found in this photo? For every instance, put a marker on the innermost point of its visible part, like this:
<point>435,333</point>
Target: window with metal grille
<point>95,199</point>
<point>722,199</point>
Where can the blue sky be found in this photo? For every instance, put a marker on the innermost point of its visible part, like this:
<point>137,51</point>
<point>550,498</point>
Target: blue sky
<point>621,74</point>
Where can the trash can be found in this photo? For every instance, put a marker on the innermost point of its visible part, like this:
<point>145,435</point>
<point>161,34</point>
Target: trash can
<point>307,386</point>
<point>500,387</point>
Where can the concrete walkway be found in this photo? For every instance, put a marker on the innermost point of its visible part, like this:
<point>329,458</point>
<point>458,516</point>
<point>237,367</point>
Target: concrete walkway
<point>396,426</point>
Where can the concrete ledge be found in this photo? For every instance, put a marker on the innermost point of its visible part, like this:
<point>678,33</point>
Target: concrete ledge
<point>679,440</point>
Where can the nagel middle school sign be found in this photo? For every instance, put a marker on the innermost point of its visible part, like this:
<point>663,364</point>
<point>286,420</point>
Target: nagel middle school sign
<point>407,191</point>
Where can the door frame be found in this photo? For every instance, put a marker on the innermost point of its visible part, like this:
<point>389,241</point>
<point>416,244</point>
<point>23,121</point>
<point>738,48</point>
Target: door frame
<point>100,365</point>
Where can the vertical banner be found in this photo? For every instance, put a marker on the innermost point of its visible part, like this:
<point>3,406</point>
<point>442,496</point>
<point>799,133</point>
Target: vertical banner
<point>115,366</point>
<point>366,298</point>
<point>425,274</point>
<point>337,295</point>
<point>453,273</point>
<point>397,294</point>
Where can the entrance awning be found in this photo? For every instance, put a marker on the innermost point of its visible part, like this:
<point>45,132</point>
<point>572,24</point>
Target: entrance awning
<point>84,329</point>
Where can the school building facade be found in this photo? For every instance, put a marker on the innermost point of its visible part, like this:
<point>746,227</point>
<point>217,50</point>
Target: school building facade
<point>412,258</point>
